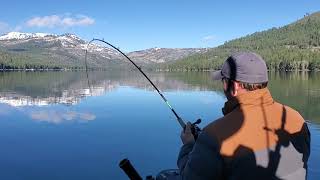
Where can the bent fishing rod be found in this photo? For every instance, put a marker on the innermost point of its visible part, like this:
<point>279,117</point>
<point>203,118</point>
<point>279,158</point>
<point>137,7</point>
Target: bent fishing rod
<point>194,128</point>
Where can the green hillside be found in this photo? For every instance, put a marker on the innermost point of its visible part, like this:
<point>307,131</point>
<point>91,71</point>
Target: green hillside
<point>292,47</point>
<point>34,60</point>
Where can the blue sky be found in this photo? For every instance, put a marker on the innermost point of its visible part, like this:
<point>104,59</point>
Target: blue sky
<point>141,24</point>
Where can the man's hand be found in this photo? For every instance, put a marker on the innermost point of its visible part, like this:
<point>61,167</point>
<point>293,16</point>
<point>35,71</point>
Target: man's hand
<point>186,134</point>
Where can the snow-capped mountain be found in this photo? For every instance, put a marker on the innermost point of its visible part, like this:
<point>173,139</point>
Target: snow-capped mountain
<point>62,51</point>
<point>66,40</point>
<point>19,35</point>
<point>68,50</point>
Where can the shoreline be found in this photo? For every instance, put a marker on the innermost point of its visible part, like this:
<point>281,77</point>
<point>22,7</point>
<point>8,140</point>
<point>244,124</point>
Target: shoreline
<point>146,69</point>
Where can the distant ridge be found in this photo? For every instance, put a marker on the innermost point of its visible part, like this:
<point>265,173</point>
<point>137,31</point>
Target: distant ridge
<point>42,51</point>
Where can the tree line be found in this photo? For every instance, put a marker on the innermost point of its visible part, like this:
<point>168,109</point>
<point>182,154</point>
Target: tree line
<point>293,47</point>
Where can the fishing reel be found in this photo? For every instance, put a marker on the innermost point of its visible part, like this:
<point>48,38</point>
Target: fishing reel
<point>195,130</point>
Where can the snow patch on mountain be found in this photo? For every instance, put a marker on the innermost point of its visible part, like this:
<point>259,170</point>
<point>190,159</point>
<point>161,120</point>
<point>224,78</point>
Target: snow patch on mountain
<point>19,35</point>
<point>71,46</point>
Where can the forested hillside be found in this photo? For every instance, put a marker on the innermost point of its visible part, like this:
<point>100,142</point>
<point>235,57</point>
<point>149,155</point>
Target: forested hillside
<point>293,47</point>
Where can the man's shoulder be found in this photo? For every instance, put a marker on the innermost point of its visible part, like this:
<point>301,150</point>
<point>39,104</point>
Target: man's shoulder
<point>289,111</point>
<point>293,119</point>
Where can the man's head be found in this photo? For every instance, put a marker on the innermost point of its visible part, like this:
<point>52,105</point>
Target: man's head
<point>242,72</point>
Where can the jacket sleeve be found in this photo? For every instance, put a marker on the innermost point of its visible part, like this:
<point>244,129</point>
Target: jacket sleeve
<point>200,160</point>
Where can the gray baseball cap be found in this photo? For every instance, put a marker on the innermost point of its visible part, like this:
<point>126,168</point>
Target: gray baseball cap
<point>245,67</point>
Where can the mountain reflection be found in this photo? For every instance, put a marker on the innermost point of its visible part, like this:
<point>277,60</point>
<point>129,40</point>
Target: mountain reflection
<point>68,88</point>
<point>301,90</point>
<point>68,97</point>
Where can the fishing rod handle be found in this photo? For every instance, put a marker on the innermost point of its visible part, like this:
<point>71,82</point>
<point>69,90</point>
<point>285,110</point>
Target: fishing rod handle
<point>195,130</point>
<point>130,171</point>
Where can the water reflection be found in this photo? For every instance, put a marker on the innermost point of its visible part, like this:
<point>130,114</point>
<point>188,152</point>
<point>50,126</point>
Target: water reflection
<point>301,90</point>
<point>68,88</point>
<point>53,116</point>
<point>47,88</point>
<point>46,114</point>
<point>55,122</point>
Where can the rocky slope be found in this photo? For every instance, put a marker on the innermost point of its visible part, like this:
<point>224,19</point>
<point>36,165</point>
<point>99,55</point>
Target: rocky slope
<point>41,50</point>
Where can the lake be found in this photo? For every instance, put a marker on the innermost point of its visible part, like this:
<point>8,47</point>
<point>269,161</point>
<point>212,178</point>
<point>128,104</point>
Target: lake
<point>67,125</point>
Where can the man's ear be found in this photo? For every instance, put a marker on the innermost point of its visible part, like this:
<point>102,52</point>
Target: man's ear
<point>235,88</point>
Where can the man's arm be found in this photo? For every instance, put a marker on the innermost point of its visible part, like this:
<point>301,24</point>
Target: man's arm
<point>200,159</point>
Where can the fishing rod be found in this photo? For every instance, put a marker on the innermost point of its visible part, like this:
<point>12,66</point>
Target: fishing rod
<point>179,119</point>
<point>125,163</point>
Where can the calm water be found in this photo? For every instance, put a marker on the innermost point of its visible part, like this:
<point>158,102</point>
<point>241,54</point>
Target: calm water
<point>53,126</point>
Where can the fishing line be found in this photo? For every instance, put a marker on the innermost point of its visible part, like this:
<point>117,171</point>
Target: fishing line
<point>180,121</point>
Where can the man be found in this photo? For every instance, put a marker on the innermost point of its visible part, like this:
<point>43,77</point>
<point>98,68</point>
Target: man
<point>257,138</point>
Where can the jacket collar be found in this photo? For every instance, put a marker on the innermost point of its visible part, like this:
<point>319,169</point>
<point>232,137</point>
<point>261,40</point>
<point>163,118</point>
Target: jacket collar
<point>256,97</point>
